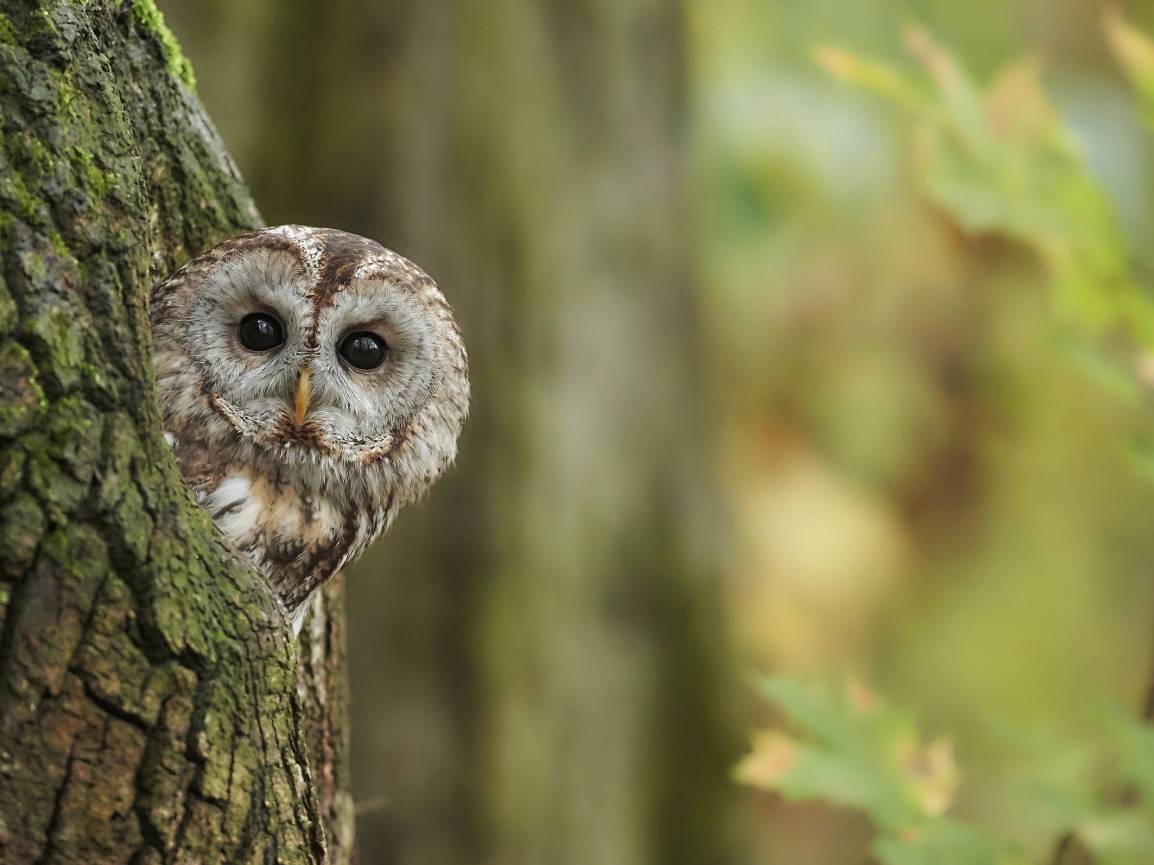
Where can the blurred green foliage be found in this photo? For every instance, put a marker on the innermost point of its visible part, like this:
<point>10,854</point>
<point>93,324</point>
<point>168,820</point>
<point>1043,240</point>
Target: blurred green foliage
<point>853,749</point>
<point>1002,162</point>
<point>1001,165</point>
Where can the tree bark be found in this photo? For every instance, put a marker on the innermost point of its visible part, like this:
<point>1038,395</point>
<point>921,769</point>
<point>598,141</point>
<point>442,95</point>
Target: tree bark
<point>322,687</point>
<point>149,710</point>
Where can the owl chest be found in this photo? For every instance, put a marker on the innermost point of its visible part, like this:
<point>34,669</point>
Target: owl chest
<point>298,540</point>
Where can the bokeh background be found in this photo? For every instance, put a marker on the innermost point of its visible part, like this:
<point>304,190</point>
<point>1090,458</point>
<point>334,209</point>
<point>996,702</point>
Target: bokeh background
<point>748,397</point>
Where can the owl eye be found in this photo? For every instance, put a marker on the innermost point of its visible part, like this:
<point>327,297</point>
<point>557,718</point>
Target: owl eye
<point>364,350</point>
<point>260,331</point>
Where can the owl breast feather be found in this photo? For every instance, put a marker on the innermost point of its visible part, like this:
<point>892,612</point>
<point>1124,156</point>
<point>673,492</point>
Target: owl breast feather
<point>297,541</point>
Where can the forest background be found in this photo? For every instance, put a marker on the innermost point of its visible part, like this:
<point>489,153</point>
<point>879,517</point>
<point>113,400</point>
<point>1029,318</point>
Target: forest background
<point>892,515</point>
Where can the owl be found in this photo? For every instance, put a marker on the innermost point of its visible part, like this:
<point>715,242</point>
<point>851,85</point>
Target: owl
<point>312,383</point>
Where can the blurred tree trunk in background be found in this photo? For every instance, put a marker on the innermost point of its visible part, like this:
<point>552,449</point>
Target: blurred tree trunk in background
<point>537,655</point>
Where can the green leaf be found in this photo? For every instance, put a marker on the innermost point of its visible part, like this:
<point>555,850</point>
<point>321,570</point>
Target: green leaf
<point>841,780</point>
<point>860,753</point>
<point>1120,838</point>
<point>945,842</point>
<point>1001,161</point>
<point>1135,740</point>
<point>848,747</point>
<point>1105,371</point>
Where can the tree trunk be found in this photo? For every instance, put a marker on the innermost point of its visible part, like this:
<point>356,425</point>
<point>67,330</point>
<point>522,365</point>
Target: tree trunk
<point>322,686</point>
<point>548,192</point>
<point>148,704</point>
<point>538,646</point>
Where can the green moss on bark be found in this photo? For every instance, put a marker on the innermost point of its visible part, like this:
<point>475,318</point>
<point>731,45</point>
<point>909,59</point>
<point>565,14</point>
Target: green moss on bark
<point>21,399</point>
<point>7,31</point>
<point>151,20</point>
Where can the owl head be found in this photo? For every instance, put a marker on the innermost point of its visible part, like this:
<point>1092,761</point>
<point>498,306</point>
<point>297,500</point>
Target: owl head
<point>317,351</point>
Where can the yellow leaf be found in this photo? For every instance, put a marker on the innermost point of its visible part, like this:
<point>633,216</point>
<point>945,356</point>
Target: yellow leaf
<point>932,773</point>
<point>851,69</point>
<point>860,698</point>
<point>774,754</point>
<point>938,62</point>
<point>1134,50</point>
<point>1017,104</point>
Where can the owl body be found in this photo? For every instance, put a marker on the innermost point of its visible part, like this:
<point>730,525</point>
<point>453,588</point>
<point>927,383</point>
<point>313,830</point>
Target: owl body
<point>312,384</point>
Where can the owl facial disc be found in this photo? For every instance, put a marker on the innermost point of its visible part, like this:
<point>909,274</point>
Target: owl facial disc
<point>321,373</point>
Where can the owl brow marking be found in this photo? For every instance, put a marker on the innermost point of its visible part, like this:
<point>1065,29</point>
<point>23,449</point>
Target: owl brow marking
<point>267,240</point>
<point>343,254</point>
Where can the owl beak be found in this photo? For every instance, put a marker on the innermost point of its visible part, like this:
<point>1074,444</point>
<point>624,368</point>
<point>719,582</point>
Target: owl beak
<point>302,396</point>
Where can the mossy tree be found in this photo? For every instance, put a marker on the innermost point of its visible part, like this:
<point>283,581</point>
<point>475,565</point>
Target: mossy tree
<point>149,705</point>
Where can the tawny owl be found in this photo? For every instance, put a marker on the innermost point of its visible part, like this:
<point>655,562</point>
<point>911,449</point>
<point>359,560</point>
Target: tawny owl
<point>312,383</point>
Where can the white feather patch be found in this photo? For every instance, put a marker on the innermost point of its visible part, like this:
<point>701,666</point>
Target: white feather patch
<point>233,507</point>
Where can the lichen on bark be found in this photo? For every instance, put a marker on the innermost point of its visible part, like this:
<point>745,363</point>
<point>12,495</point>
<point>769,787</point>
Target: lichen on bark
<point>148,703</point>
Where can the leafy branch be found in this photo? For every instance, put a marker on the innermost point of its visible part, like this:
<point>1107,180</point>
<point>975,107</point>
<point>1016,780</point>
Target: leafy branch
<point>848,746</point>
